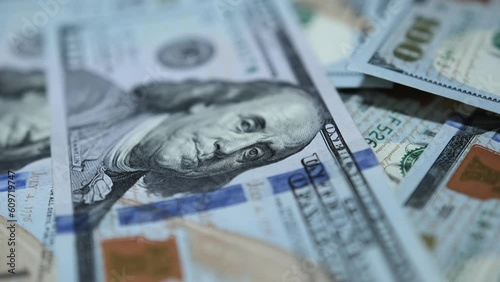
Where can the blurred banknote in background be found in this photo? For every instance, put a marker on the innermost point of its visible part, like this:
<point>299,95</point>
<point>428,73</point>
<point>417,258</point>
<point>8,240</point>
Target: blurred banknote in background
<point>449,48</point>
<point>398,124</point>
<point>24,138</point>
<point>335,29</point>
<point>453,197</point>
<point>26,196</point>
<point>218,115</point>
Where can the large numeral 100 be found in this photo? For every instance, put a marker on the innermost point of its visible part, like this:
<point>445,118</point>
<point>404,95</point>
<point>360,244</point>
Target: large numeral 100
<point>420,33</point>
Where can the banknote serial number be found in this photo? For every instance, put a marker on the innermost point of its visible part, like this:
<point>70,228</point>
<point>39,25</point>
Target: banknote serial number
<point>382,131</point>
<point>11,221</point>
<point>420,33</point>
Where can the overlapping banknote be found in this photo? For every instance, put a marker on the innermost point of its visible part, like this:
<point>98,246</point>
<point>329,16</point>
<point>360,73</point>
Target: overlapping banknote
<point>336,29</point>
<point>453,195</point>
<point>398,124</point>
<point>26,195</point>
<point>219,116</point>
<point>448,48</point>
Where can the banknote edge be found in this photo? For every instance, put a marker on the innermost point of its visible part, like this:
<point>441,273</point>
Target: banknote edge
<point>362,62</point>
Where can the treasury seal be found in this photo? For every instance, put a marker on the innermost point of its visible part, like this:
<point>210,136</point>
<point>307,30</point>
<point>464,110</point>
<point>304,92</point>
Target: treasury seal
<point>409,159</point>
<point>186,53</point>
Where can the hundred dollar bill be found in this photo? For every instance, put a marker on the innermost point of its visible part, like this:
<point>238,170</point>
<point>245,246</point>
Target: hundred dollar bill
<point>398,124</point>
<point>26,195</point>
<point>452,196</point>
<point>24,109</point>
<point>448,48</point>
<point>335,29</point>
<point>222,117</point>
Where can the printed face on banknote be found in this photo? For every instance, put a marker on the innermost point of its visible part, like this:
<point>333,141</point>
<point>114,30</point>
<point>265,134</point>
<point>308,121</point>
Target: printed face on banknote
<point>253,130</point>
<point>222,120</point>
<point>183,137</point>
<point>24,119</point>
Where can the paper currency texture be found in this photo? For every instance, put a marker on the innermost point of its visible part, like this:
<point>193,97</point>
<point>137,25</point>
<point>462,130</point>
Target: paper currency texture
<point>448,48</point>
<point>220,115</point>
<point>452,197</point>
<point>335,30</point>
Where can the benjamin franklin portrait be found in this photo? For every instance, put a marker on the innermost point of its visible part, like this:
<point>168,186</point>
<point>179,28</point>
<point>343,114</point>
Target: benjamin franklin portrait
<point>178,137</point>
<point>24,119</point>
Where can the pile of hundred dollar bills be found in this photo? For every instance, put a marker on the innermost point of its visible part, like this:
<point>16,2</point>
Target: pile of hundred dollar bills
<point>249,140</point>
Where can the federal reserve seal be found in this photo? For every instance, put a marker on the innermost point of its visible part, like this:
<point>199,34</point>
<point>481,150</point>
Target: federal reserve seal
<point>186,53</point>
<point>409,159</point>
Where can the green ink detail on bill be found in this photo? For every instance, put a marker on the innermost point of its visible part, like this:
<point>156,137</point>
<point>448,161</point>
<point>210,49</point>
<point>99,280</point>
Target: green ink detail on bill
<point>409,159</point>
<point>429,241</point>
<point>305,13</point>
<point>496,40</point>
<point>251,69</point>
